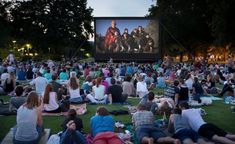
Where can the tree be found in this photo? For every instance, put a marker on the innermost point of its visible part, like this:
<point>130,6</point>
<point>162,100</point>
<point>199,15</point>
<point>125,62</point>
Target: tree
<point>52,25</point>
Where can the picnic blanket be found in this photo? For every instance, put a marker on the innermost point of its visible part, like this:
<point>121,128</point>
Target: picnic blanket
<point>80,109</point>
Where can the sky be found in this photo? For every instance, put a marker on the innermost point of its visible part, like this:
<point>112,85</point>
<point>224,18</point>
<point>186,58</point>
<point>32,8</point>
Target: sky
<point>120,8</point>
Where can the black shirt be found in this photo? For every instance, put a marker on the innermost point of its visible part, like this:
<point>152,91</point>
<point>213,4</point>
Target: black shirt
<point>183,94</point>
<point>116,92</point>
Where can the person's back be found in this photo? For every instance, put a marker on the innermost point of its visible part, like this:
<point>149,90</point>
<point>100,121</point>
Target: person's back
<point>194,118</point>
<point>21,75</point>
<point>26,124</point>
<point>128,88</point>
<point>40,84</point>
<point>116,92</point>
<point>180,123</point>
<point>99,91</point>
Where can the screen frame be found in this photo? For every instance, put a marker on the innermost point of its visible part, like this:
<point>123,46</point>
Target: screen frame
<point>136,57</point>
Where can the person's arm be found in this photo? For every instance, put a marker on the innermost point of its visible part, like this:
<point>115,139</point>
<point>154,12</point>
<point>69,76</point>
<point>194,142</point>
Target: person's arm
<point>110,98</point>
<point>176,98</point>
<point>39,114</point>
<point>32,82</point>
<point>171,124</point>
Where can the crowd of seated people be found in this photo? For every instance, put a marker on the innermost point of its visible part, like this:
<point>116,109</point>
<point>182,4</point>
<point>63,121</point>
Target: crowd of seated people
<point>108,83</point>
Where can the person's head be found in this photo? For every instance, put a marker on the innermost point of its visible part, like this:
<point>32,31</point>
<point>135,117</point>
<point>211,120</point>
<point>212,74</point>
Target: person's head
<point>98,81</point>
<point>32,100</point>
<point>182,81</point>
<point>128,78</point>
<point>46,96</point>
<point>113,23</point>
<point>141,107</point>
<point>196,80</point>
<point>72,113</point>
<point>126,30</point>
<point>12,75</point>
<point>102,111</point>
<point>19,90</point>
<point>176,82</point>
<point>150,96</point>
<point>188,76</point>
<point>177,111</point>
<point>165,108</point>
<point>113,81</point>
<point>184,105</point>
<point>160,74</point>
<point>39,74</point>
<point>88,79</point>
<point>73,83</point>
<point>54,77</point>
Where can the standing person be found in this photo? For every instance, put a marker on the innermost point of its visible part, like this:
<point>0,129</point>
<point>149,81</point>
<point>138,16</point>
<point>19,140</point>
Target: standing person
<point>143,121</point>
<point>72,129</point>
<point>115,93</point>
<point>29,126</point>
<point>141,87</point>
<point>110,33</point>
<point>50,100</point>
<point>183,95</point>
<point>40,83</point>
<point>207,130</point>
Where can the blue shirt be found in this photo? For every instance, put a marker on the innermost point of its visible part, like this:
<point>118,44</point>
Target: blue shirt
<point>21,75</point>
<point>64,76</point>
<point>101,124</point>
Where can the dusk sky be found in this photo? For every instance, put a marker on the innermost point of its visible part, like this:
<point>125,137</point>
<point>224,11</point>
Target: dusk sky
<point>120,8</point>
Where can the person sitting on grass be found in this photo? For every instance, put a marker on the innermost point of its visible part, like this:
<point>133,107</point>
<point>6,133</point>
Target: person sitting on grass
<point>74,91</point>
<point>143,121</point>
<point>29,125</point>
<point>98,93</point>
<point>181,129</point>
<point>207,130</point>
<point>115,93</point>
<point>18,100</point>
<point>72,129</point>
<point>50,100</point>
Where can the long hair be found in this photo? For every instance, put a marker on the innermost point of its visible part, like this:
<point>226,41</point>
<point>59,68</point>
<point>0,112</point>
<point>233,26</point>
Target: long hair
<point>98,81</point>
<point>32,100</point>
<point>46,96</point>
<point>73,83</point>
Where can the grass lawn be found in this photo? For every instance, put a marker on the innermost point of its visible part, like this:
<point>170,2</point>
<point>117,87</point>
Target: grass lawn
<point>218,113</point>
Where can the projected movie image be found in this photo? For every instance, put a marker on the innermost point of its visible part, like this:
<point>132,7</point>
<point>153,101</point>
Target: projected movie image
<point>126,36</point>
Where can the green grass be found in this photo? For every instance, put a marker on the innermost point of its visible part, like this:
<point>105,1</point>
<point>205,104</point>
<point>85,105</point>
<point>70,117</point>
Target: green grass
<point>218,113</point>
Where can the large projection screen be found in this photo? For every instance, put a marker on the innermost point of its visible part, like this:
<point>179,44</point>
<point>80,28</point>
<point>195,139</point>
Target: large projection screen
<point>126,39</point>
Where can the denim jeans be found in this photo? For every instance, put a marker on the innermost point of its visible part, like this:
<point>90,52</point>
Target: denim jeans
<point>40,129</point>
<point>72,137</point>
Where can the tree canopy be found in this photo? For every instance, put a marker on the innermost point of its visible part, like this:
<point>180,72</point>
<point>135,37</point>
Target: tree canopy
<point>190,24</point>
<point>56,26</point>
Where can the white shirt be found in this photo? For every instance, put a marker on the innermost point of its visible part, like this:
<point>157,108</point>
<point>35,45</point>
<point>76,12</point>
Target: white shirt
<point>4,76</point>
<point>99,92</point>
<point>194,118</point>
<point>74,93</point>
<point>53,105</point>
<point>141,89</point>
<point>189,83</point>
<point>40,84</point>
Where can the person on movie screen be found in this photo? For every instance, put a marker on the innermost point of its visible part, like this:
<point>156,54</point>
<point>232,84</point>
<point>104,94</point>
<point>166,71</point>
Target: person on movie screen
<point>142,38</point>
<point>134,35</point>
<point>149,45</point>
<point>128,42</point>
<point>109,37</point>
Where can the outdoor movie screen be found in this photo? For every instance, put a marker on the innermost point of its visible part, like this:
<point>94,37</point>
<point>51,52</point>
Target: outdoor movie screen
<point>126,36</point>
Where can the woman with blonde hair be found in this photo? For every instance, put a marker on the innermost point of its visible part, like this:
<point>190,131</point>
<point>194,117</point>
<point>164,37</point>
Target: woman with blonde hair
<point>50,100</point>
<point>29,126</point>
<point>74,91</point>
<point>10,83</point>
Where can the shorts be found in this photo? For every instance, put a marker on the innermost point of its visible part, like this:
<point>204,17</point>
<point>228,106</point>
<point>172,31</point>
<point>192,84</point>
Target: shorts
<point>208,130</point>
<point>149,131</point>
<point>186,134</point>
